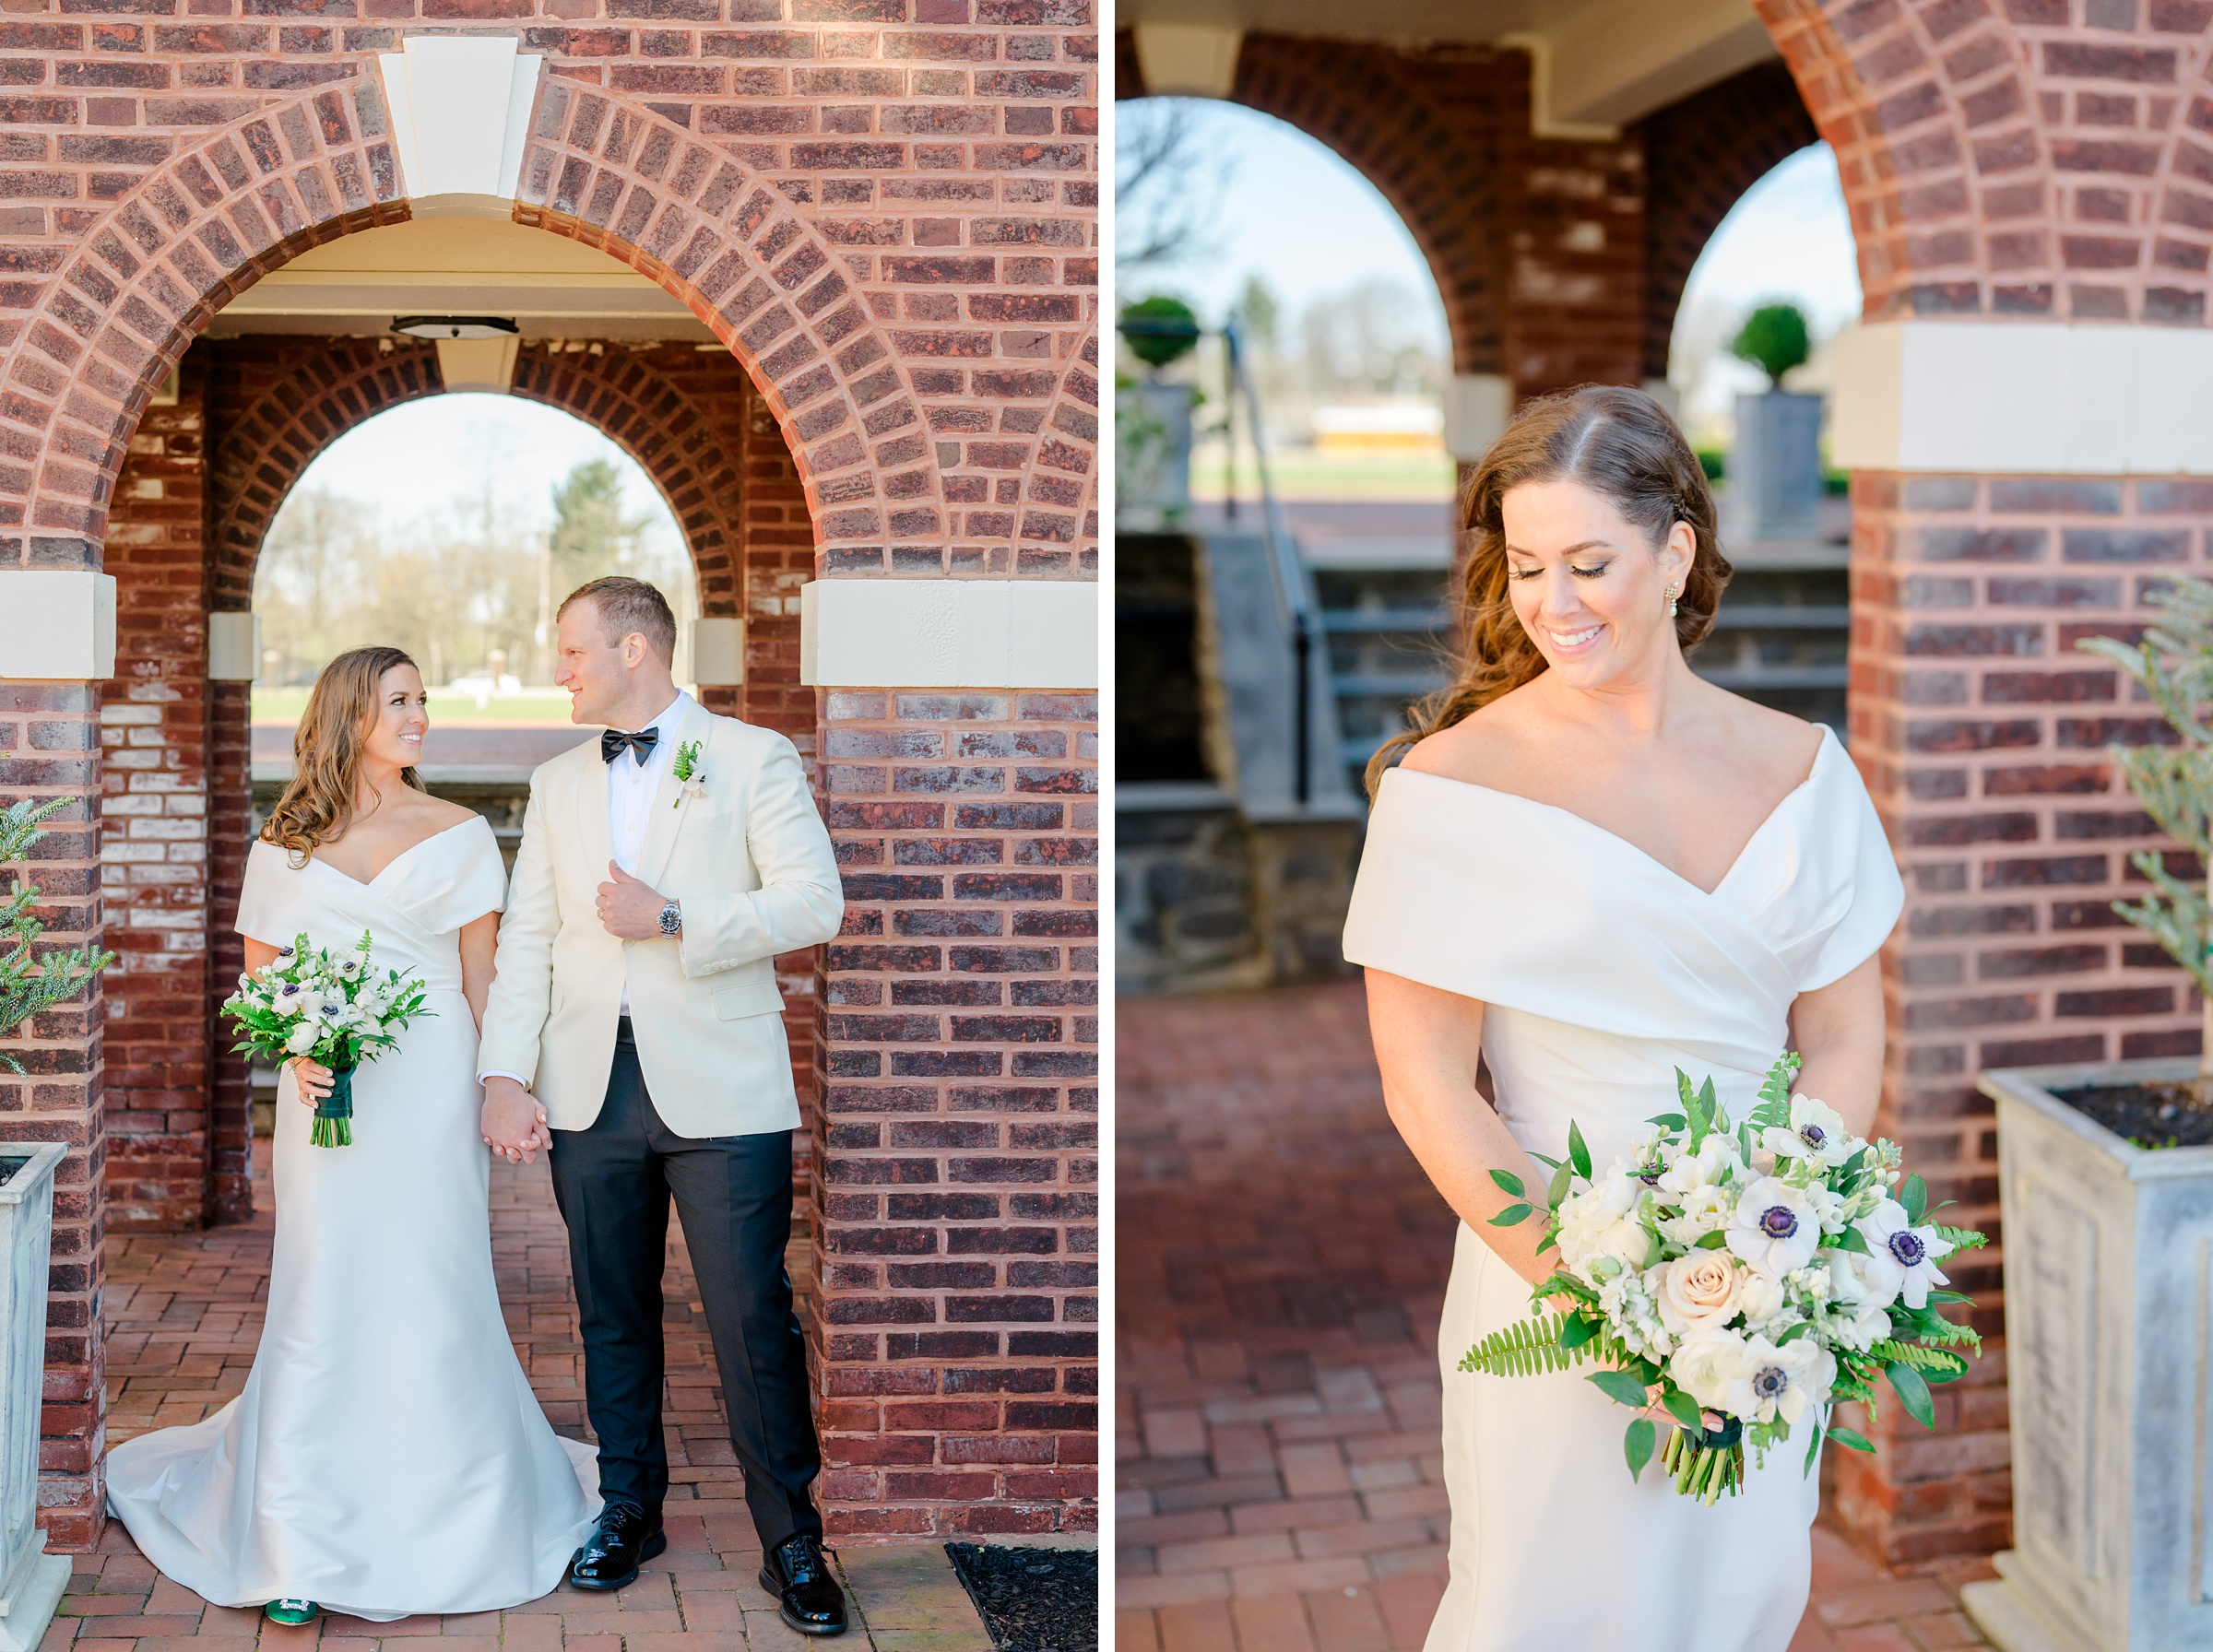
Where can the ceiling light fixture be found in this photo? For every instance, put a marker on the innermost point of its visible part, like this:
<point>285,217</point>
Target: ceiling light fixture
<point>454,327</point>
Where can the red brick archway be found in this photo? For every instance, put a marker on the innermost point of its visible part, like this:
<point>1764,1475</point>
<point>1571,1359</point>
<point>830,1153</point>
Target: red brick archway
<point>909,284</point>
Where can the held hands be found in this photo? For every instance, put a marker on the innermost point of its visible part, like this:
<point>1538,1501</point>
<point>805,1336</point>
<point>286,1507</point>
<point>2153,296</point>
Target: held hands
<point>630,910</point>
<point>514,1124</point>
<point>311,1080</point>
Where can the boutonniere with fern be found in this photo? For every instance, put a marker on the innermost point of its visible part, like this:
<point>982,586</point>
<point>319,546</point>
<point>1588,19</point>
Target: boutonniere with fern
<point>691,779</point>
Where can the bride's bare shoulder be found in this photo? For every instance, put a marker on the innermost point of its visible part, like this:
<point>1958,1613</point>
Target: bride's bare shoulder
<point>438,812</point>
<point>1481,747</point>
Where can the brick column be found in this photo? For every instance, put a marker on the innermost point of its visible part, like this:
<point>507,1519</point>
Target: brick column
<point>154,730</point>
<point>49,732</point>
<point>958,1115</point>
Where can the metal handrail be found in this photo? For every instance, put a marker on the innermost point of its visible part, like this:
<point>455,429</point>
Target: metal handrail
<point>1285,577</point>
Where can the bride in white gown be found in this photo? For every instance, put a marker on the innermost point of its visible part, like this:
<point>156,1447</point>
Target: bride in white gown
<point>1592,870</point>
<point>387,1455</point>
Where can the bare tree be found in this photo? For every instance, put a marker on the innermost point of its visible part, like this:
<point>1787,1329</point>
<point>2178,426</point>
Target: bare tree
<point>1166,192</point>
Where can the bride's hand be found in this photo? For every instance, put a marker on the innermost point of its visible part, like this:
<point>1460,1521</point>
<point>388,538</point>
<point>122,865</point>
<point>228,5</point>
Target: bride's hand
<point>311,1079</point>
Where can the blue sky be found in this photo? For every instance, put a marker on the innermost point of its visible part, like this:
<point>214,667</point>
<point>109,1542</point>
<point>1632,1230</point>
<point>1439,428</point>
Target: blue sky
<point>448,447</point>
<point>1788,237</point>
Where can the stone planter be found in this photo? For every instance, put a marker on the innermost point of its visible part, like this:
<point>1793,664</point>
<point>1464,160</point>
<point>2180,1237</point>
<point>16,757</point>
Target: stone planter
<point>1152,456</point>
<point>2109,1356</point>
<point>1775,467</point>
<point>31,1579</point>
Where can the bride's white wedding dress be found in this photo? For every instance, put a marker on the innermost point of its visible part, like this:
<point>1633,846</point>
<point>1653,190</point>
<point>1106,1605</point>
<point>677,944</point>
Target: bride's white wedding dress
<point>386,1457</point>
<point>1603,972</point>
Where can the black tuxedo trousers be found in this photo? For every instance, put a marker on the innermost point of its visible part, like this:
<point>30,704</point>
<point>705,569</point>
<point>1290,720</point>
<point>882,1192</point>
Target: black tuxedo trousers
<point>614,1181</point>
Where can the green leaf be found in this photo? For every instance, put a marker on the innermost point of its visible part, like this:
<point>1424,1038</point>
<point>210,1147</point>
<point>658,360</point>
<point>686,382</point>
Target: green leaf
<point>1713,1241</point>
<point>1912,1393</point>
<point>1509,1216</point>
<point>1577,1331</point>
<point>1637,1444</point>
<point>1669,1121</point>
<point>1804,1327</point>
<point>1845,1436</point>
<point>1509,1183</point>
<point>1558,1190</point>
<point>1913,1193</point>
<point>1684,1410</point>
<point>1851,1239</point>
<point>1813,1449</point>
<point>1619,1387</point>
<point>1578,1155</point>
<point>1549,1163</point>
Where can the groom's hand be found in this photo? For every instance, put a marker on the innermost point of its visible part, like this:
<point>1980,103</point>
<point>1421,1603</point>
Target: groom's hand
<point>512,1122</point>
<point>630,910</point>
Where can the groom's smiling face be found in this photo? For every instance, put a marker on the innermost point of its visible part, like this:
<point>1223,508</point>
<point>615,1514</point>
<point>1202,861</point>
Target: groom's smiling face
<point>599,674</point>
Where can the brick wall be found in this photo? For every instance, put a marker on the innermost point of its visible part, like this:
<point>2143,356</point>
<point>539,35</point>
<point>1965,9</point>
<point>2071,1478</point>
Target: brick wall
<point>957,1336</point>
<point>885,207</point>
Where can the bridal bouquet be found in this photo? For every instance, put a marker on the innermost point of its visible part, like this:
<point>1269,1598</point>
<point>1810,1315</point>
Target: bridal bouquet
<point>1736,1277</point>
<point>332,1009</point>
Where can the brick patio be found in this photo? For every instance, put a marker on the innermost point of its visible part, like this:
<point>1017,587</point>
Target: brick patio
<point>184,1316</point>
<point>1281,1270</point>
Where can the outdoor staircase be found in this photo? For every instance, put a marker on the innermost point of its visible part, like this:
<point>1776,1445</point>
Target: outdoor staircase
<point>1779,638</point>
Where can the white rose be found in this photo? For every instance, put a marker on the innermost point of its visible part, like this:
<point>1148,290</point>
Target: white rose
<point>1698,1291</point>
<point>1760,1295</point>
<point>1706,1364</point>
<point>303,1038</point>
<point>1774,1227</point>
<point>1600,1222</point>
<point>1715,1164</point>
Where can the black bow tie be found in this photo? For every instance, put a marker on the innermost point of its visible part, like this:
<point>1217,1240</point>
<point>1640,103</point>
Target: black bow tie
<point>611,742</point>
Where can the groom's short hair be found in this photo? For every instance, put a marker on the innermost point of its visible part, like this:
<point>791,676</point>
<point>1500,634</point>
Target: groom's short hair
<point>625,606</point>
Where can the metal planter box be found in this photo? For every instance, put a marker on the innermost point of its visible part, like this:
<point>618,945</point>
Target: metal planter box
<point>2108,1355</point>
<point>31,1580</point>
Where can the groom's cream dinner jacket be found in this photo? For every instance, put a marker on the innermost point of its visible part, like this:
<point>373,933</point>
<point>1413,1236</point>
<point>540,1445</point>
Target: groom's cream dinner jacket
<point>750,864</point>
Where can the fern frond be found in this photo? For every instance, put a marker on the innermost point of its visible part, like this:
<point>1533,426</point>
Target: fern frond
<point>1962,1238</point>
<point>1919,1357</point>
<point>1532,1346</point>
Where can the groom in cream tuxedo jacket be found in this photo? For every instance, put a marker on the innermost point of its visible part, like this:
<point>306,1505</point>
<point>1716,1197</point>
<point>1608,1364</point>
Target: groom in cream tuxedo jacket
<point>635,1027</point>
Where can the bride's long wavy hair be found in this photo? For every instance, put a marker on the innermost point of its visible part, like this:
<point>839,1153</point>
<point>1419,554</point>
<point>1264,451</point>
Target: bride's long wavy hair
<point>1620,443</point>
<point>317,806</point>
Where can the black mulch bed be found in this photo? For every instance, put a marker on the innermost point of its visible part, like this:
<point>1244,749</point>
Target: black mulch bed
<point>1032,1599</point>
<point>2155,1116</point>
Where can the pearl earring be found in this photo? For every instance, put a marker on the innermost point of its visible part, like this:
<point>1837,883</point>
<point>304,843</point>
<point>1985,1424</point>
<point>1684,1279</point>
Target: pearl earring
<point>1673,592</point>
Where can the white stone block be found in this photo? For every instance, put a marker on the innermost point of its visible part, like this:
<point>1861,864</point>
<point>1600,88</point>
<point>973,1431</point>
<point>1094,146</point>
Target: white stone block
<point>1188,60</point>
<point>948,633</point>
<point>718,651</point>
<point>460,119</point>
<point>1477,408</point>
<point>57,624</point>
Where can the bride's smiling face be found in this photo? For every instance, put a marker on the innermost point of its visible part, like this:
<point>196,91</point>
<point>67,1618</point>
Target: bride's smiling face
<point>1587,583</point>
<point>402,717</point>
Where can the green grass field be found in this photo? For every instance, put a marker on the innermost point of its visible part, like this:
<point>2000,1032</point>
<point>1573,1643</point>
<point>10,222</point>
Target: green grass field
<point>532,705</point>
<point>1313,473</point>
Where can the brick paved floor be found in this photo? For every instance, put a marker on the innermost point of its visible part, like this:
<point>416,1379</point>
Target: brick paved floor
<point>1281,1263</point>
<point>184,1318</point>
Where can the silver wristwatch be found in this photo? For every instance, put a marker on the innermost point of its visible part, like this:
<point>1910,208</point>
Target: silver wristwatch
<point>672,920</point>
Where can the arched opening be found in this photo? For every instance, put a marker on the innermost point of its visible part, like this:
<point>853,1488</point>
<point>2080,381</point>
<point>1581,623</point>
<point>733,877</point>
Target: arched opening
<point>1347,357</point>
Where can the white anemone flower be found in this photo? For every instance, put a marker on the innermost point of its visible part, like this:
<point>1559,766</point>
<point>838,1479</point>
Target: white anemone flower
<point>291,999</point>
<point>1775,1227</point>
<point>1771,1381</point>
<point>1818,1132</point>
<point>1901,1259</point>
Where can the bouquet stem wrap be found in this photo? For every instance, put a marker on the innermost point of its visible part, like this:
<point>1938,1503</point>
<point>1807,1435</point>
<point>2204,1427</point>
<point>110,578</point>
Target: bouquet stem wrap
<point>1707,1463</point>
<point>334,1113</point>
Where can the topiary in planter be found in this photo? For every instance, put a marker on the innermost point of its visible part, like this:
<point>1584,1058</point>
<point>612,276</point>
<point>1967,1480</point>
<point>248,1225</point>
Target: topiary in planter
<point>29,984</point>
<point>1159,330</point>
<point>1774,339</point>
<point>2174,782</point>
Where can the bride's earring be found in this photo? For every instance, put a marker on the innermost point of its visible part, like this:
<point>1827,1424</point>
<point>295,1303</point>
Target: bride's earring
<point>1673,592</point>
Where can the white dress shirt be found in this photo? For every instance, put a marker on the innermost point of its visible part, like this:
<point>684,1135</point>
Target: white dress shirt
<point>630,784</point>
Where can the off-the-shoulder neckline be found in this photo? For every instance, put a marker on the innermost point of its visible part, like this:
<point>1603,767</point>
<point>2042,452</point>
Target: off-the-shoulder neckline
<point>382,872</point>
<point>1821,753</point>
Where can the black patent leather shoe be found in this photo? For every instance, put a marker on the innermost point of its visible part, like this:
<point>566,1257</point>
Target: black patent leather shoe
<point>625,1536</point>
<point>807,1598</point>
